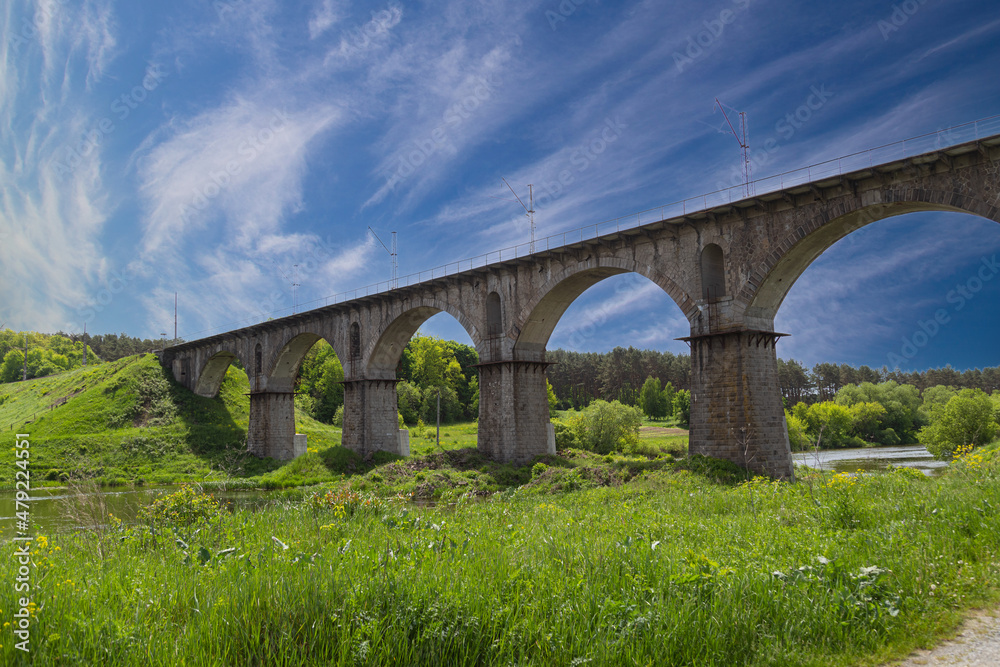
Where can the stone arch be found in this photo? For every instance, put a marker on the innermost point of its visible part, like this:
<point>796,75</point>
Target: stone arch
<point>781,268</point>
<point>713,273</point>
<point>213,372</point>
<point>538,319</point>
<point>284,369</point>
<point>386,347</point>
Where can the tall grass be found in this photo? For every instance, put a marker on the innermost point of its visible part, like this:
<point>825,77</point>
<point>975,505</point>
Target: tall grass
<point>669,569</point>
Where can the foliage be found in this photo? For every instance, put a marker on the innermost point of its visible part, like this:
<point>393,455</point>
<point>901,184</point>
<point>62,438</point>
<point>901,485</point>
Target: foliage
<point>604,427</point>
<point>798,436</point>
<point>967,419</point>
<point>652,399</point>
<point>934,399</point>
<point>581,377</point>
<point>682,408</point>
<point>47,355</point>
<point>409,401</point>
<point>794,380</point>
<point>826,379</point>
<point>552,398</point>
<point>181,508</point>
<point>112,347</point>
<point>902,405</point>
<point>566,436</point>
<point>430,366</point>
<point>668,399</point>
<point>320,378</point>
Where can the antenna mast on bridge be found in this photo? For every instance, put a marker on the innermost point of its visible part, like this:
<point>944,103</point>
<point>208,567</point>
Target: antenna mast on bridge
<point>394,283</point>
<point>530,212</point>
<point>293,281</point>
<point>744,143</point>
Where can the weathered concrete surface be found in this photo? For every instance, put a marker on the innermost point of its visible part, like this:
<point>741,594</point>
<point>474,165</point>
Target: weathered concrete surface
<point>728,268</point>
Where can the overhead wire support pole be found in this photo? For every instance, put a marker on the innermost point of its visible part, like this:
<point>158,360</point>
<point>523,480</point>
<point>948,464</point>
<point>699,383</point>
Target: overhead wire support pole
<point>530,212</point>
<point>292,281</point>
<point>744,144</point>
<point>393,283</point>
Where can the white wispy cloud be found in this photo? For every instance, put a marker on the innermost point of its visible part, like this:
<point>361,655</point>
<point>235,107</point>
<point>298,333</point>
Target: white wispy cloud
<point>325,16</point>
<point>51,215</point>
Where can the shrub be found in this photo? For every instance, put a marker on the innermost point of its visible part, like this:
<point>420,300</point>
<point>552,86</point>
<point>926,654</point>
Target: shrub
<point>182,508</point>
<point>967,419</point>
<point>566,437</point>
<point>682,408</point>
<point>606,427</point>
<point>338,417</point>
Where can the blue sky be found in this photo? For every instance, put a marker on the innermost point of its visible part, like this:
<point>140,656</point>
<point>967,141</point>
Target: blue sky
<point>207,148</point>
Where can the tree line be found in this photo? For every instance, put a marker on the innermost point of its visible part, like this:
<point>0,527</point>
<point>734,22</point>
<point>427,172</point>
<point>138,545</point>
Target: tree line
<point>947,420</point>
<point>47,354</point>
<point>53,353</point>
<point>111,347</point>
<point>824,381</point>
<point>579,378</point>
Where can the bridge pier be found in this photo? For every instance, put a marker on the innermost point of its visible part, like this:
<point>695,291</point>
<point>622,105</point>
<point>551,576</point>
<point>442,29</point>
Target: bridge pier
<point>513,410</point>
<point>370,416</point>
<point>272,425</point>
<point>736,409</point>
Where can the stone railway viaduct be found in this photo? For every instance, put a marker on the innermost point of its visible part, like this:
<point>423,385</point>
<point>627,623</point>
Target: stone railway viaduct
<point>728,268</point>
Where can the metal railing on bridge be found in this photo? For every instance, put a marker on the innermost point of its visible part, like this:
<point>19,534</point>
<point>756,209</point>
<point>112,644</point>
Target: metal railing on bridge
<point>898,150</point>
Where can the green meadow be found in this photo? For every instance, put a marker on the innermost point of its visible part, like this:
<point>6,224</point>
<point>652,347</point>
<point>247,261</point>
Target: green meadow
<point>667,567</point>
<point>446,557</point>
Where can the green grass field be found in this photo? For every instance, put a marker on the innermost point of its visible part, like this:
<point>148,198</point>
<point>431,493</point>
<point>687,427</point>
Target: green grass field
<point>670,568</point>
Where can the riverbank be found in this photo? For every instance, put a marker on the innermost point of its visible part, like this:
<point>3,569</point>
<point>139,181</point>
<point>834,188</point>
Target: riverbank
<point>670,568</point>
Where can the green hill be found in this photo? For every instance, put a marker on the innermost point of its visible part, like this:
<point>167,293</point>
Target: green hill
<point>129,422</point>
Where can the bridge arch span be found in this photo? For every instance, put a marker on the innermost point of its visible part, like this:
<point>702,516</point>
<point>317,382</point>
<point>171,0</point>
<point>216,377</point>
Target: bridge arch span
<point>386,347</point>
<point>539,317</point>
<point>804,244</point>
<point>213,371</point>
<point>283,369</point>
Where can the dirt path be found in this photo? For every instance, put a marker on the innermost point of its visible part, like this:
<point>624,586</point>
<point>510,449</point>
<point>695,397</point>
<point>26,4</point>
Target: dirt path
<point>661,430</point>
<point>976,645</point>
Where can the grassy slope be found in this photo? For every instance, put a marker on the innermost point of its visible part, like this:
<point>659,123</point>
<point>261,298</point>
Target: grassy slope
<point>128,421</point>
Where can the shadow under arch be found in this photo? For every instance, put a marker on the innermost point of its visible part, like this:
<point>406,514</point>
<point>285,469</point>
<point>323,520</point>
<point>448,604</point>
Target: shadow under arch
<point>780,271</point>
<point>538,319</point>
<point>383,353</point>
<point>213,372</point>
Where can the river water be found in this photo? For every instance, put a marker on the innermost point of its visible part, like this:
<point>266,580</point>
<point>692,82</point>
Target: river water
<point>872,458</point>
<point>58,509</point>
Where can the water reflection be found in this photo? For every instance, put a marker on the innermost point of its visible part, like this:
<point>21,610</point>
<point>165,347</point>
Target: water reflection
<point>871,458</point>
<point>54,510</point>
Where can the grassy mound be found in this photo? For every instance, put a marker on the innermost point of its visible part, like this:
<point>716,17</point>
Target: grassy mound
<point>129,422</point>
